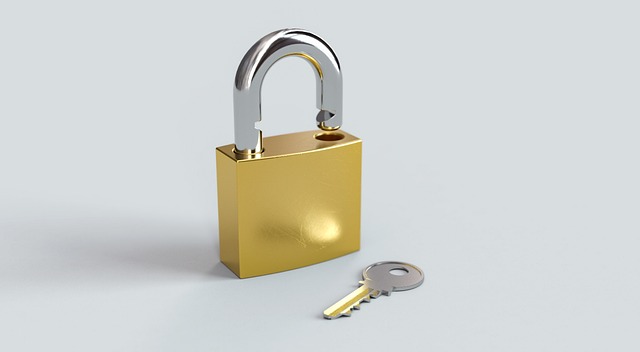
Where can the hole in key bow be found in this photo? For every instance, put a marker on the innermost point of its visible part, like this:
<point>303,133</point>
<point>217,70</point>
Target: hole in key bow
<point>398,271</point>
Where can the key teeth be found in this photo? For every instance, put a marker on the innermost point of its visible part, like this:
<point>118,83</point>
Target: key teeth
<point>356,306</point>
<point>363,294</point>
<point>345,313</point>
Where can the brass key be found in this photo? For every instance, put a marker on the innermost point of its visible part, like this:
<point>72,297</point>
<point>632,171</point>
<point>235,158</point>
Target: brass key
<point>379,278</point>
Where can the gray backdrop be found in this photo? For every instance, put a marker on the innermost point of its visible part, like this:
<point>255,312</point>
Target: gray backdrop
<point>500,155</point>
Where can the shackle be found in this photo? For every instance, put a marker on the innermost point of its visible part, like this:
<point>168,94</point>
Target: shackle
<point>254,66</point>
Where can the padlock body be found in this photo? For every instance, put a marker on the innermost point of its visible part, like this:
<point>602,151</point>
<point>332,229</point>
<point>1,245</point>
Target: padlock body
<point>297,204</point>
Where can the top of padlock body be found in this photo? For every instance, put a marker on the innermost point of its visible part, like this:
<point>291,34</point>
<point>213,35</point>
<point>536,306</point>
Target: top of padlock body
<point>254,66</point>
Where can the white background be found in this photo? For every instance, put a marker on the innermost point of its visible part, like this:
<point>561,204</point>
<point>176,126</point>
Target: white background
<point>501,154</point>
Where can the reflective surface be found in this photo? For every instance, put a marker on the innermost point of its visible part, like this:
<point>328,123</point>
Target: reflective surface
<point>297,204</point>
<point>254,66</point>
<point>379,278</point>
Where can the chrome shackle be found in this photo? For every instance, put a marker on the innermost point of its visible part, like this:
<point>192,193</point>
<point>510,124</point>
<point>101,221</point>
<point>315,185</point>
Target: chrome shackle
<point>253,68</point>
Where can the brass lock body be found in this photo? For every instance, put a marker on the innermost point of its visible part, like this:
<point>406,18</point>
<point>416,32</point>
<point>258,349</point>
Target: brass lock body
<point>292,200</point>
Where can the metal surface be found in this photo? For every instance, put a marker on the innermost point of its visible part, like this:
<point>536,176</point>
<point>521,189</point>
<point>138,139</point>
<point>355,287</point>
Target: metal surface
<point>377,279</point>
<point>253,68</point>
<point>296,204</point>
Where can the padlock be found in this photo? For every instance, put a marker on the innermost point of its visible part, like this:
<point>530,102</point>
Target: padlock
<point>291,200</point>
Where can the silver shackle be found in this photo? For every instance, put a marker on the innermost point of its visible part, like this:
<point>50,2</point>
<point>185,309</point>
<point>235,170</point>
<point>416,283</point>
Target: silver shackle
<point>254,66</point>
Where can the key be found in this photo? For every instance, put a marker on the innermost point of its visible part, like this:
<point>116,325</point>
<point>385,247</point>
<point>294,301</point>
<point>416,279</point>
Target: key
<point>379,278</point>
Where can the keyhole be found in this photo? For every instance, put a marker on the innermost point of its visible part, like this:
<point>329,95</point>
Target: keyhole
<point>398,271</point>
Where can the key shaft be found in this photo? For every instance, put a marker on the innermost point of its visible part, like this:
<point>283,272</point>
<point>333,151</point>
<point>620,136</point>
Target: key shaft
<point>350,302</point>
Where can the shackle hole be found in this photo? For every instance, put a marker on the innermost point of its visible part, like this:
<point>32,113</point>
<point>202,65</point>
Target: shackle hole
<point>329,136</point>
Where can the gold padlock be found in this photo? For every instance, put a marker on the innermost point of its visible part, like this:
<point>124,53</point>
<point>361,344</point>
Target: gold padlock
<point>292,200</point>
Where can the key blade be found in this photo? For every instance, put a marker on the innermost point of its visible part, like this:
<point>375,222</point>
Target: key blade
<point>352,301</point>
<point>348,310</point>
